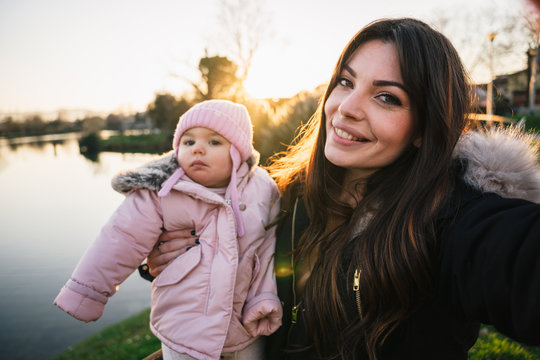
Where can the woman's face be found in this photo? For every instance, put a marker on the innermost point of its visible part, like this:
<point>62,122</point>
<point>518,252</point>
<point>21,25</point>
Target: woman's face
<point>369,121</point>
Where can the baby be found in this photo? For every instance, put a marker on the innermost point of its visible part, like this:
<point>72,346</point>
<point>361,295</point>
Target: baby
<point>218,297</point>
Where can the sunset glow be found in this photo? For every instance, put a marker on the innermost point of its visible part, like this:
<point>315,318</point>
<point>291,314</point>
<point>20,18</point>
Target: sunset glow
<point>111,56</point>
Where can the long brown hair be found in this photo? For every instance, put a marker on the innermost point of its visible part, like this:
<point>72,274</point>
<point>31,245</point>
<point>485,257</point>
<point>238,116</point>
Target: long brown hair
<point>395,251</point>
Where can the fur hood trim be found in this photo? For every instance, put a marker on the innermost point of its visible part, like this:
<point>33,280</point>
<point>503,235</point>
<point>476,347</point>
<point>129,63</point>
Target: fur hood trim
<point>154,173</point>
<point>502,161</point>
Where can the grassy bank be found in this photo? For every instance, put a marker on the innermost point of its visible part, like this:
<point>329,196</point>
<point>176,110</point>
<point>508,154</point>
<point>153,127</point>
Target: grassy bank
<point>493,346</point>
<point>146,143</point>
<point>92,144</point>
<point>131,339</point>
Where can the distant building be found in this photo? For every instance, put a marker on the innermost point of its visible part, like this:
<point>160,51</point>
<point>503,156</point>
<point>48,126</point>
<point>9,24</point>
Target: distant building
<point>513,89</point>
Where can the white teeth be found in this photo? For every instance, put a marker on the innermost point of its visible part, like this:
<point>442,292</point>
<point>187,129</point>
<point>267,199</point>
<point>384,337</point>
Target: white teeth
<point>345,135</point>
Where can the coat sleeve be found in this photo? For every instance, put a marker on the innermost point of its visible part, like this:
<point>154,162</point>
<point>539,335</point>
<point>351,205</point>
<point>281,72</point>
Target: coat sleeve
<point>262,312</point>
<point>125,240</point>
<point>490,268</point>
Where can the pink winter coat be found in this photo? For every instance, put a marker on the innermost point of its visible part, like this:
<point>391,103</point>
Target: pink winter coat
<point>218,296</point>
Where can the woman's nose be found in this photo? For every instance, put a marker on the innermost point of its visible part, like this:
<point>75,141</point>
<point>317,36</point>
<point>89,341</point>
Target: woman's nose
<point>352,107</point>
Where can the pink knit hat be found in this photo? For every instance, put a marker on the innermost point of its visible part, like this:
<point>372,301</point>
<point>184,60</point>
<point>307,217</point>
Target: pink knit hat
<point>231,121</point>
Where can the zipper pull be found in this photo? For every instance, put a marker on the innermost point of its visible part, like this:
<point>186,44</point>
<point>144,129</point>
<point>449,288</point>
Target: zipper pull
<point>294,314</point>
<point>356,282</point>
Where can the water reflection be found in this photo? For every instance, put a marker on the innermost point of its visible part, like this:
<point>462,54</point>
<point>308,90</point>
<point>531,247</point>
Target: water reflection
<point>89,146</point>
<point>54,202</point>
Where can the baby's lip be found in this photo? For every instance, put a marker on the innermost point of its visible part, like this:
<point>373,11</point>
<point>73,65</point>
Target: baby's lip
<point>198,164</point>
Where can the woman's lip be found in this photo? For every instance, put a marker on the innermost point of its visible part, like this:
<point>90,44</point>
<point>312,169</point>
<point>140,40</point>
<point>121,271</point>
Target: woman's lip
<point>343,136</point>
<point>352,132</point>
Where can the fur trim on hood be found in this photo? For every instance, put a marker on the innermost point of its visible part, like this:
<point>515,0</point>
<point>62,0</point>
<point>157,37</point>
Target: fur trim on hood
<point>154,173</point>
<point>502,161</point>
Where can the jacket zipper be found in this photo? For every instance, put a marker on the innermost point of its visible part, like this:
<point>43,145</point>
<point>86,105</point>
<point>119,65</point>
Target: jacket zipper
<point>356,290</point>
<point>296,306</point>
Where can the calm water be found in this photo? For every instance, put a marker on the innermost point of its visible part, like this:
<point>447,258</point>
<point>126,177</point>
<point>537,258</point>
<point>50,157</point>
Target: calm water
<point>53,204</point>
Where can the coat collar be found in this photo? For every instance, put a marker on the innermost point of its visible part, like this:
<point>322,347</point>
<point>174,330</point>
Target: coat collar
<point>152,174</point>
<point>501,161</point>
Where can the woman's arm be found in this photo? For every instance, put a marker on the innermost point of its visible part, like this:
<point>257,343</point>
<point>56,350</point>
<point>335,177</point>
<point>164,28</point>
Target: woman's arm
<point>490,265</point>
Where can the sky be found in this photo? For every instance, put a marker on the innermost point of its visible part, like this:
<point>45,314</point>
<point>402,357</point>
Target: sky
<point>115,55</point>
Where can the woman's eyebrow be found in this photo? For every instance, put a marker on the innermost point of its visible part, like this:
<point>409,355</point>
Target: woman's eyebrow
<point>376,82</point>
<point>349,70</point>
<point>389,83</point>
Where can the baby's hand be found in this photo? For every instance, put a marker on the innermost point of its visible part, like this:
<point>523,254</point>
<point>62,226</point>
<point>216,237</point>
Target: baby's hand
<point>263,319</point>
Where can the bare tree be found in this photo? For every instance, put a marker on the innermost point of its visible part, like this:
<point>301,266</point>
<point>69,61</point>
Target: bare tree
<point>244,24</point>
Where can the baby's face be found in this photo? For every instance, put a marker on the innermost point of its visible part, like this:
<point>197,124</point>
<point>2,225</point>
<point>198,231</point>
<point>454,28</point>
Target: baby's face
<point>204,156</point>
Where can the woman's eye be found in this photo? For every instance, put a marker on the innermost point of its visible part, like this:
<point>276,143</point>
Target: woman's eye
<point>343,81</point>
<point>389,99</point>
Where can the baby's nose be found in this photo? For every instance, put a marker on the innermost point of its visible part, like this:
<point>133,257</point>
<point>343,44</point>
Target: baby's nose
<point>198,149</point>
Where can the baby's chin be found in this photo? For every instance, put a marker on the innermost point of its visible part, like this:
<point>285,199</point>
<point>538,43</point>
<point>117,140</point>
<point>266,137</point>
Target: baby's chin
<point>208,181</point>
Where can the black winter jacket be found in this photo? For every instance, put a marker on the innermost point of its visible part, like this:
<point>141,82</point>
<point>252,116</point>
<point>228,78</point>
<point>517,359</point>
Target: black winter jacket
<point>488,264</point>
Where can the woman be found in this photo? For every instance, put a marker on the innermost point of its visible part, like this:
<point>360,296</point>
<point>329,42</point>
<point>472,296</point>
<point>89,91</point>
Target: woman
<point>395,241</point>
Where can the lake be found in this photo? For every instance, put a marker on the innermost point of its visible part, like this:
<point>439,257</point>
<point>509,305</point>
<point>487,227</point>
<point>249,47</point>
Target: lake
<point>54,202</point>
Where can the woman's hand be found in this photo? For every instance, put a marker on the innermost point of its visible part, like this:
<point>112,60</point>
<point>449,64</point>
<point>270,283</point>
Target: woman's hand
<point>170,245</point>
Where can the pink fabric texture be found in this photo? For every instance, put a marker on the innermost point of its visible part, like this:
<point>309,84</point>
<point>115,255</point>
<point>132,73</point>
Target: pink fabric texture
<point>169,183</point>
<point>81,307</point>
<point>232,193</point>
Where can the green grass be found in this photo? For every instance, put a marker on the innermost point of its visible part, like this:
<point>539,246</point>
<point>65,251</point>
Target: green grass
<point>132,339</point>
<point>493,346</point>
<point>126,340</point>
<point>532,122</point>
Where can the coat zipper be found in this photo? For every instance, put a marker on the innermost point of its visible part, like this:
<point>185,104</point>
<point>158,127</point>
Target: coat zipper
<point>296,306</point>
<point>356,290</point>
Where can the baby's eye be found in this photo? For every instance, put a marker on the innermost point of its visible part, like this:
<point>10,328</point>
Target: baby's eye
<point>189,142</point>
<point>389,99</point>
<point>343,81</point>
<point>215,142</point>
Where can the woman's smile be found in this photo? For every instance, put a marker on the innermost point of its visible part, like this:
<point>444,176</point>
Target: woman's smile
<point>346,138</point>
